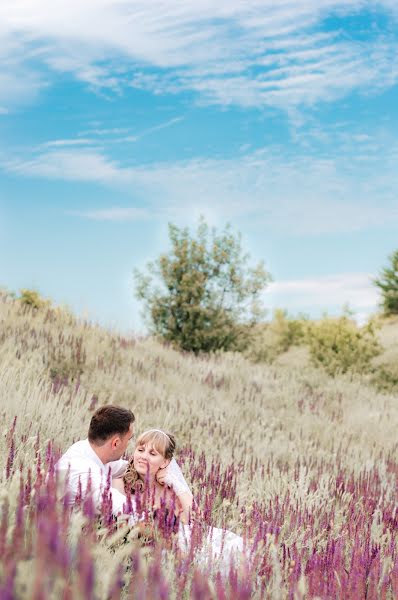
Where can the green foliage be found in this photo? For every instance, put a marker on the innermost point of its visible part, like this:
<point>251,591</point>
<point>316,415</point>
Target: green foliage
<point>339,345</point>
<point>275,439</point>
<point>385,378</point>
<point>201,296</point>
<point>65,370</point>
<point>269,340</point>
<point>388,283</point>
<point>33,299</point>
<point>67,361</point>
<point>291,331</point>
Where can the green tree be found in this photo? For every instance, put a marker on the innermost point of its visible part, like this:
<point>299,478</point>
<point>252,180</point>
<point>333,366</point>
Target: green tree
<point>201,295</point>
<point>388,283</point>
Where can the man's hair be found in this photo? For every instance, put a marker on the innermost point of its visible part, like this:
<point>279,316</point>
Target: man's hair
<point>107,421</point>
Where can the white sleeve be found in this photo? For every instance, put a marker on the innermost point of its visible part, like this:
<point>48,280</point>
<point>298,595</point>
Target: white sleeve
<point>175,479</point>
<point>118,467</point>
<point>71,479</point>
<point>119,500</point>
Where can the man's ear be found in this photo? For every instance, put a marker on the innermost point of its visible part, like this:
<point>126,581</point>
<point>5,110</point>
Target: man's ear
<point>115,441</point>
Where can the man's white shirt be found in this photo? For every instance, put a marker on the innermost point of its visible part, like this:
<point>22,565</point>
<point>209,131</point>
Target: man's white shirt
<point>81,464</point>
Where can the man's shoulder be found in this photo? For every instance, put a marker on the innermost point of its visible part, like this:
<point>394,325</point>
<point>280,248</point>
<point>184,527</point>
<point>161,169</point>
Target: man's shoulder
<point>77,448</point>
<point>79,451</point>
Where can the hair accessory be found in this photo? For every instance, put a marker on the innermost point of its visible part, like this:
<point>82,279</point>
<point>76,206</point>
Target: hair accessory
<point>159,431</point>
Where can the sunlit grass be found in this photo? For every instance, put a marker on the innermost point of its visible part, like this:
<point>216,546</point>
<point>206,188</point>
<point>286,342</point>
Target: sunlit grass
<point>302,465</point>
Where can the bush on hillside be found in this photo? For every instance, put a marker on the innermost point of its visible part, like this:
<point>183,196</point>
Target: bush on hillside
<point>33,299</point>
<point>67,361</point>
<point>339,345</point>
<point>388,284</point>
<point>271,339</point>
<point>201,295</point>
<point>385,378</point>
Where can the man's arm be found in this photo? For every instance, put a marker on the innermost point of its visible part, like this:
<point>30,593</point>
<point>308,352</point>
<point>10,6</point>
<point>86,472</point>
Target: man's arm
<point>118,484</point>
<point>118,498</point>
<point>90,481</point>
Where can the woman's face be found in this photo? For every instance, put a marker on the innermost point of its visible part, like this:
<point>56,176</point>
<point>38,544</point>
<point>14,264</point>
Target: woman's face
<point>147,457</point>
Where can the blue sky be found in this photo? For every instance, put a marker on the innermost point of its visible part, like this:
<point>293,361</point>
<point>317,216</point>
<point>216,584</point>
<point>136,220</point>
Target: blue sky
<point>119,117</point>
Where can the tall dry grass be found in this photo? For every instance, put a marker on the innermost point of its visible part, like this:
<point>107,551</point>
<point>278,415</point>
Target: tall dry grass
<point>302,464</point>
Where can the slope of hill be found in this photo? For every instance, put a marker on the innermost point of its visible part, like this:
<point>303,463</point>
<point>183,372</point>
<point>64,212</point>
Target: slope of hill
<point>302,464</point>
<point>388,336</point>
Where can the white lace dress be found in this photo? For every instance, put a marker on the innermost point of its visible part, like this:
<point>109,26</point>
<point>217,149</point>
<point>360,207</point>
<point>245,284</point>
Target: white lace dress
<point>217,545</point>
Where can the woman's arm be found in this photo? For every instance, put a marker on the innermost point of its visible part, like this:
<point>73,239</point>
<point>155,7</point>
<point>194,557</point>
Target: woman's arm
<point>173,477</point>
<point>185,501</point>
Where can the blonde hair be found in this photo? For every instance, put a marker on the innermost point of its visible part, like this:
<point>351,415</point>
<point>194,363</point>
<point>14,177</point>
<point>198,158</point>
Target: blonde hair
<point>162,441</point>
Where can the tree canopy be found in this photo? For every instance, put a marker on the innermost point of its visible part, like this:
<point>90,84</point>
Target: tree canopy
<point>388,283</point>
<point>202,295</point>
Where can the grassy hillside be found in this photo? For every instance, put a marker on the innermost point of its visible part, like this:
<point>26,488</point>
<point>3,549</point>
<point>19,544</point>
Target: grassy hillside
<point>383,369</point>
<point>302,464</point>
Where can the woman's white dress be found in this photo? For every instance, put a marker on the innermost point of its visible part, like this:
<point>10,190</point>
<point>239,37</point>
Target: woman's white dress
<point>218,545</point>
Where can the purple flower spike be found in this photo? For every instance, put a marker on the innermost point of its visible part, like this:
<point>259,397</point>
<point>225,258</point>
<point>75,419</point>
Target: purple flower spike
<point>10,459</point>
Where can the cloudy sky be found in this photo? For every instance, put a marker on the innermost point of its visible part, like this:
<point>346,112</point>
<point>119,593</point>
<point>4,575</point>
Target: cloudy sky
<point>119,116</point>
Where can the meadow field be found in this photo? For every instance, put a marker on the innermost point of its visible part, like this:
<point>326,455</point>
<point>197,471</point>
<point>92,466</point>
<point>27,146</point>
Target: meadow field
<point>302,465</point>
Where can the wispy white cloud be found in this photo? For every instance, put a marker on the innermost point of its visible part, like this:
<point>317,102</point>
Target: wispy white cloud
<point>125,134</point>
<point>164,125</point>
<point>256,53</point>
<point>106,131</point>
<point>286,78</point>
<point>141,134</point>
<point>115,214</point>
<point>301,194</point>
<point>329,292</point>
<point>337,289</point>
<point>18,85</point>
<point>72,165</point>
<point>71,142</point>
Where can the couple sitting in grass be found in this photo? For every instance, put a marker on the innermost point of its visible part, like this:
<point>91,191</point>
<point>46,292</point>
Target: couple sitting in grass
<point>150,487</point>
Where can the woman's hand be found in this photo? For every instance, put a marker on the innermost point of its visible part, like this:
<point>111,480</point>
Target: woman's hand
<point>161,476</point>
<point>172,477</point>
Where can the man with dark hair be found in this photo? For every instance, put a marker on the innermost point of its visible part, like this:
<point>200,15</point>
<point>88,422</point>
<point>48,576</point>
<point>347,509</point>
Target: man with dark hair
<point>89,465</point>
<point>107,421</point>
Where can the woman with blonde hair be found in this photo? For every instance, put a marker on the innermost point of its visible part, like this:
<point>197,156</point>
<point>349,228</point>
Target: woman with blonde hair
<point>154,475</point>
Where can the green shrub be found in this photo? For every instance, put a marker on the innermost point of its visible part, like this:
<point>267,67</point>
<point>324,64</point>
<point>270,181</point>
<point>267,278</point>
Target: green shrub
<point>385,378</point>
<point>65,370</point>
<point>33,299</point>
<point>67,362</point>
<point>291,332</point>
<point>269,340</point>
<point>339,345</point>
